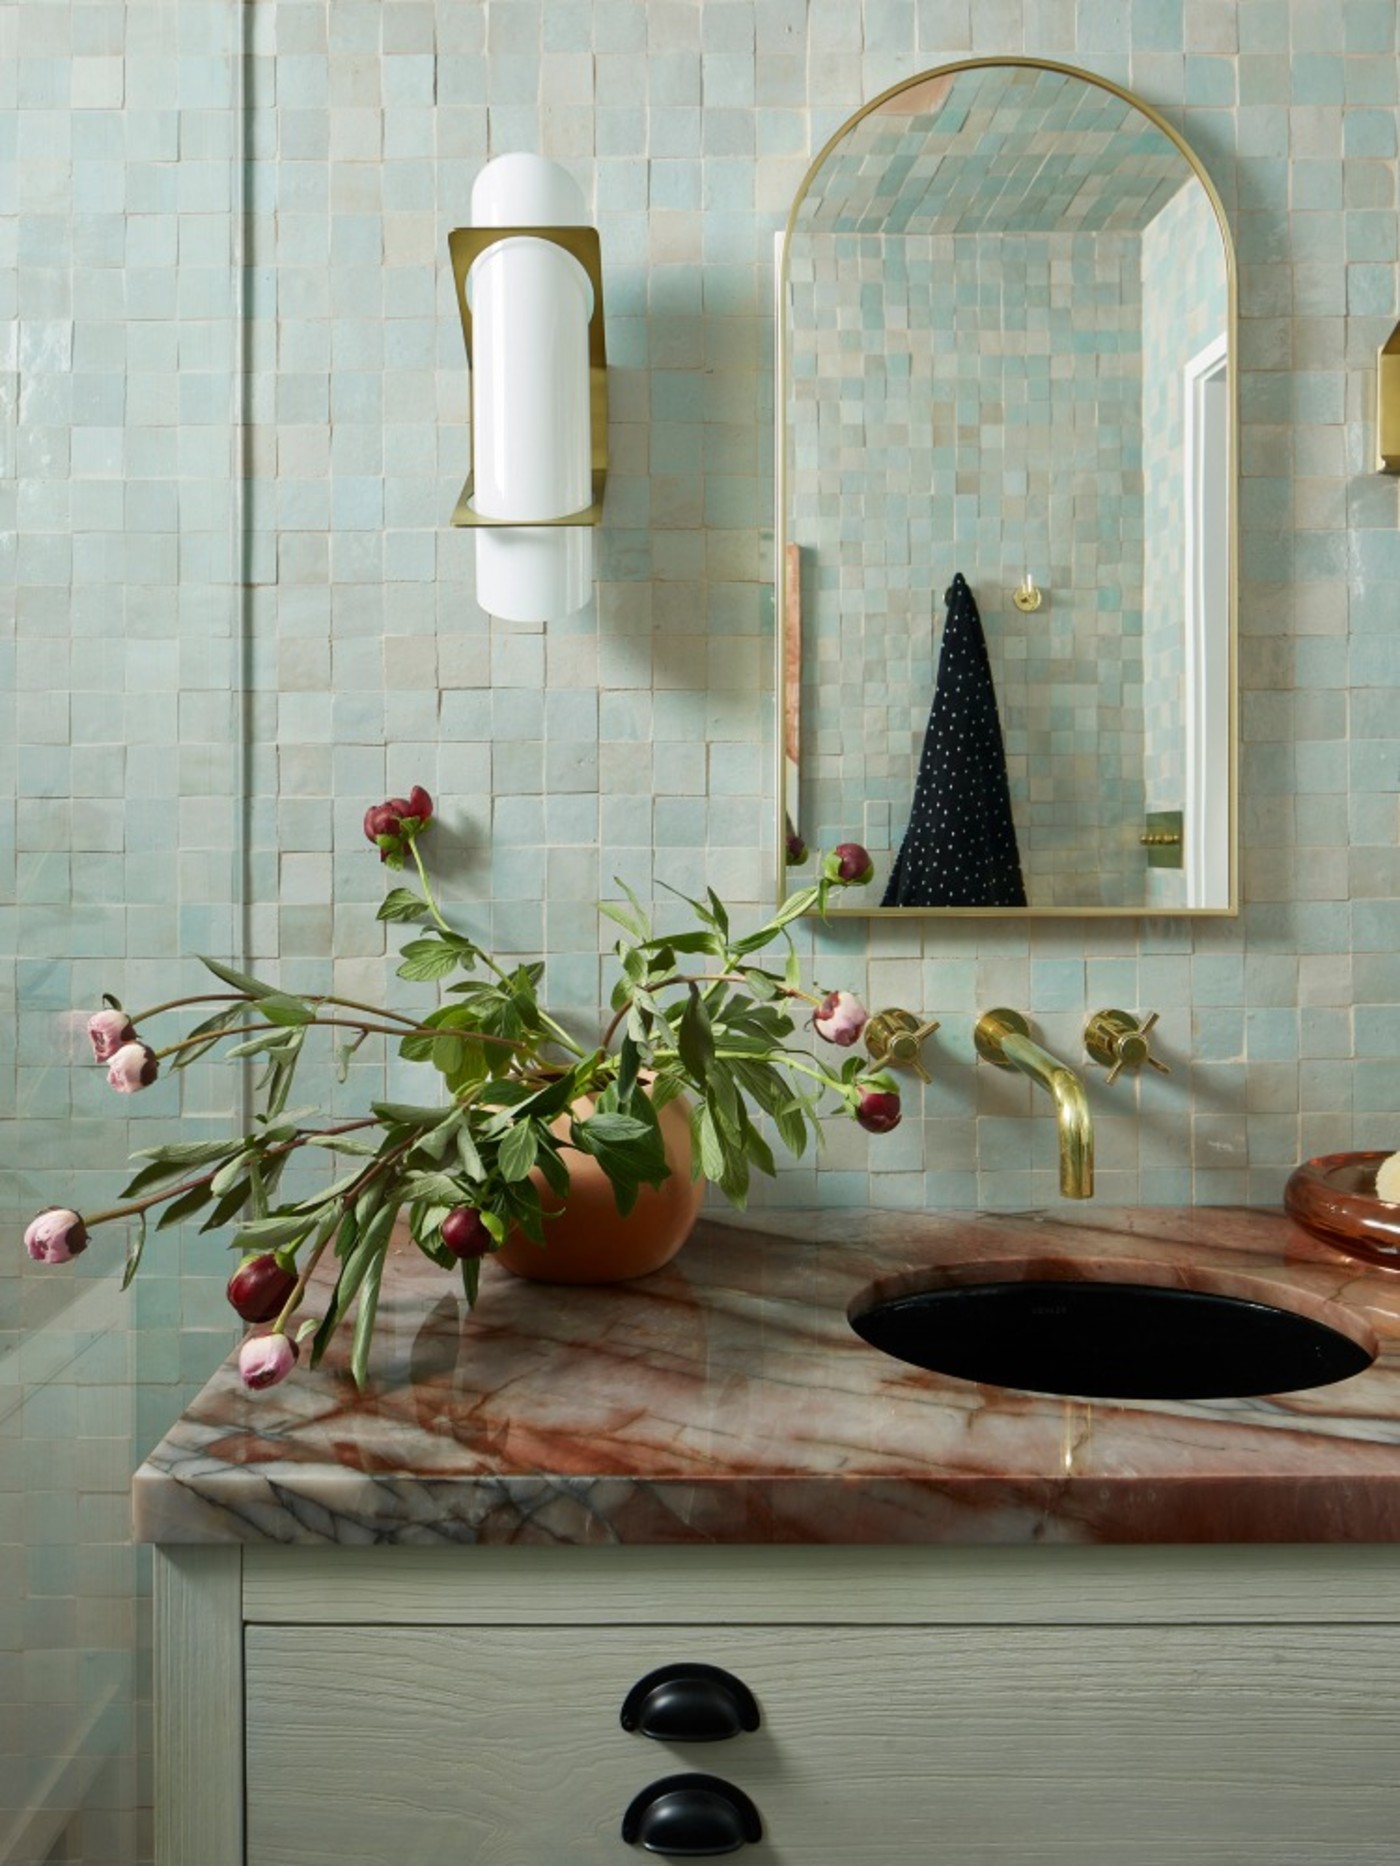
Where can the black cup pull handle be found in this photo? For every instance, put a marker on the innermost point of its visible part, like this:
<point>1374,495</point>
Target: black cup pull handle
<point>689,1703</point>
<point>691,1817</point>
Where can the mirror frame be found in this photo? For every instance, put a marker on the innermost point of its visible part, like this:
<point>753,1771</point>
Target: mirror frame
<point>780,539</point>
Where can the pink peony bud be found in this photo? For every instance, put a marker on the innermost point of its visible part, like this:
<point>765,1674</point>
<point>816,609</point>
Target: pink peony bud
<point>464,1233</point>
<point>132,1067</point>
<point>840,1018</point>
<point>849,864</point>
<point>107,1032</point>
<point>259,1288</point>
<point>266,1360</point>
<point>55,1235</point>
<point>420,804</point>
<point>878,1109</point>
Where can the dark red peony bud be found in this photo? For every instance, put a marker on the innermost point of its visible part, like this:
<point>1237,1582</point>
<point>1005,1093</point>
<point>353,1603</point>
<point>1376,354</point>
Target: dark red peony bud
<point>381,819</point>
<point>420,804</point>
<point>849,864</point>
<point>878,1110</point>
<point>796,849</point>
<point>464,1233</point>
<point>259,1288</point>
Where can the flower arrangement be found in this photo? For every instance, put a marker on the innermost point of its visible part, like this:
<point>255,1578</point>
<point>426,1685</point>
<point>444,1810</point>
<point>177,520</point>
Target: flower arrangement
<point>695,1012</point>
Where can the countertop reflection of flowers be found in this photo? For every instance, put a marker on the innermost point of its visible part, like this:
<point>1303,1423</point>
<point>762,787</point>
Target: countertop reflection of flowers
<point>697,1011</point>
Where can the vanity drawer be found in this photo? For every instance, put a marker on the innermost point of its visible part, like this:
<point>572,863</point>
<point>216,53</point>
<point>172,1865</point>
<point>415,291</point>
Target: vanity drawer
<point>968,1746</point>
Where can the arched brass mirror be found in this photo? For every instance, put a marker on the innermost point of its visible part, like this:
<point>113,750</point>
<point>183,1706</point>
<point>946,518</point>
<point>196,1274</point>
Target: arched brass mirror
<point>1006,377</point>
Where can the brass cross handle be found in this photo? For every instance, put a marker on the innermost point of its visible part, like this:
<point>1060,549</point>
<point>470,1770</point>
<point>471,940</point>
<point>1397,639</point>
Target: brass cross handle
<point>1118,1041</point>
<point>897,1037</point>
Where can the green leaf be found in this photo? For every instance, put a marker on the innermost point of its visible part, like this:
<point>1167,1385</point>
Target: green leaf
<point>628,1063</point>
<point>184,1207</point>
<point>792,909</point>
<point>705,1136</point>
<point>517,1154</point>
<point>549,1163</point>
<point>241,981</point>
<point>717,908</point>
<point>428,959</point>
<point>440,1187</point>
<point>404,904</point>
<point>792,971</point>
<point>468,1155</point>
<point>471,1279</point>
<point>279,1007</point>
<point>405,1114</point>
<point>263,1044</point>
<point>340,1143</point>
<point>135,1249</point>
<point>228,1207</point>
<point>229,1174</point>
<point>695,1039</point>
<point>318,1200</point>
<point>214,1028</point>
<point>758,1150</point>
<point>612,1129</point>
<point>434,1144</point>
<point>264,1233</point>
<point>792,1128</point>
<point>364,1320</point>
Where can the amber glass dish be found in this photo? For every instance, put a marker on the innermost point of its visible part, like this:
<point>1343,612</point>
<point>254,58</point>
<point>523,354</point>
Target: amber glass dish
<point>1334,1199</point>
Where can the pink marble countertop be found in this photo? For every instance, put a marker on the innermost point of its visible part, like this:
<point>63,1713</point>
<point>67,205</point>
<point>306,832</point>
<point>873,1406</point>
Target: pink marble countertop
<point>726,1399</point>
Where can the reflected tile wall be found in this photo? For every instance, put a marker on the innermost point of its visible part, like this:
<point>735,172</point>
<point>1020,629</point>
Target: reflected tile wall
<point>973,402</point>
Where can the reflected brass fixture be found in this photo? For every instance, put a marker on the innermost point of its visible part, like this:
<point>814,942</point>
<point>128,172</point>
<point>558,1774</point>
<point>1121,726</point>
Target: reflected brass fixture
<point>1003,1037</point>
<point>897,1037</point>
<point>1163,838</point>
<point>1118,1041</point>
<point>1026,596</point>
<point>1388,404</point>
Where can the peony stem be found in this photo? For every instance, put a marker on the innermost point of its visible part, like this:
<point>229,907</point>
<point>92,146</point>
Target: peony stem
<point>202,1179</point>
<point>354,1023</point>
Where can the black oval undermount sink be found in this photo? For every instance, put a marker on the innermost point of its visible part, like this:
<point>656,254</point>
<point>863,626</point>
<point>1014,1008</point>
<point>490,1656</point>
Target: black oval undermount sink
<point>1105,1340</point>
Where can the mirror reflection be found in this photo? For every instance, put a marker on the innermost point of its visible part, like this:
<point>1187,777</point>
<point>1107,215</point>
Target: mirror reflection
<point>1005,487</point>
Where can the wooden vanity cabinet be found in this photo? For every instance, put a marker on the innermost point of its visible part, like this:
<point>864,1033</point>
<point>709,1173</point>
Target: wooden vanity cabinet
<point>964,1707</point>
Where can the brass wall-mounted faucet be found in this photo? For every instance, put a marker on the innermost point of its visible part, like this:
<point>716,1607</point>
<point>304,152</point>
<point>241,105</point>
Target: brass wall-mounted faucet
<point>1003,1037</point>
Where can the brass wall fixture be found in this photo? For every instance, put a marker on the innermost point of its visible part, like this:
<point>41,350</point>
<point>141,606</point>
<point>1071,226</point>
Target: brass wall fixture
<point>1027,595</point>
<point>1388,404</point>
<point>1120,1041</point>
<point>466,245</point>
<point>1164,838</point>
<point>897,1038</point>
<point>1003,1037</point>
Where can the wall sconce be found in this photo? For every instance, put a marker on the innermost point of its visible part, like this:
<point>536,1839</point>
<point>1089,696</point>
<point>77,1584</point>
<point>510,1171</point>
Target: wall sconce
<point>1388,404</point>
<point>529,283</point>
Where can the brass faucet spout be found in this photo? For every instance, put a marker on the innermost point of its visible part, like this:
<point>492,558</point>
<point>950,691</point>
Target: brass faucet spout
<point>1003,1037</point>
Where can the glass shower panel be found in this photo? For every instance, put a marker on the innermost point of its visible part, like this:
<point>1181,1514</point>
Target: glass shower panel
<point>120,725</point>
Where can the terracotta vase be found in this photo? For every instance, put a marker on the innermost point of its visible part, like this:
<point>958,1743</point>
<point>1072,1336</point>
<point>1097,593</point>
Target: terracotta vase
<point>588,1241</point>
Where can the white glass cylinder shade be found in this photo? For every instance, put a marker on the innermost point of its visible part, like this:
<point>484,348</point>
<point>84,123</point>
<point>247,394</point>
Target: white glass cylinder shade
<point>530,303</point>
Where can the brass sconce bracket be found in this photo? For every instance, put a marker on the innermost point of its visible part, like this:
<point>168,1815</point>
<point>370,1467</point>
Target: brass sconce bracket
<point>1388,404</point>
<point>466,245</point>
